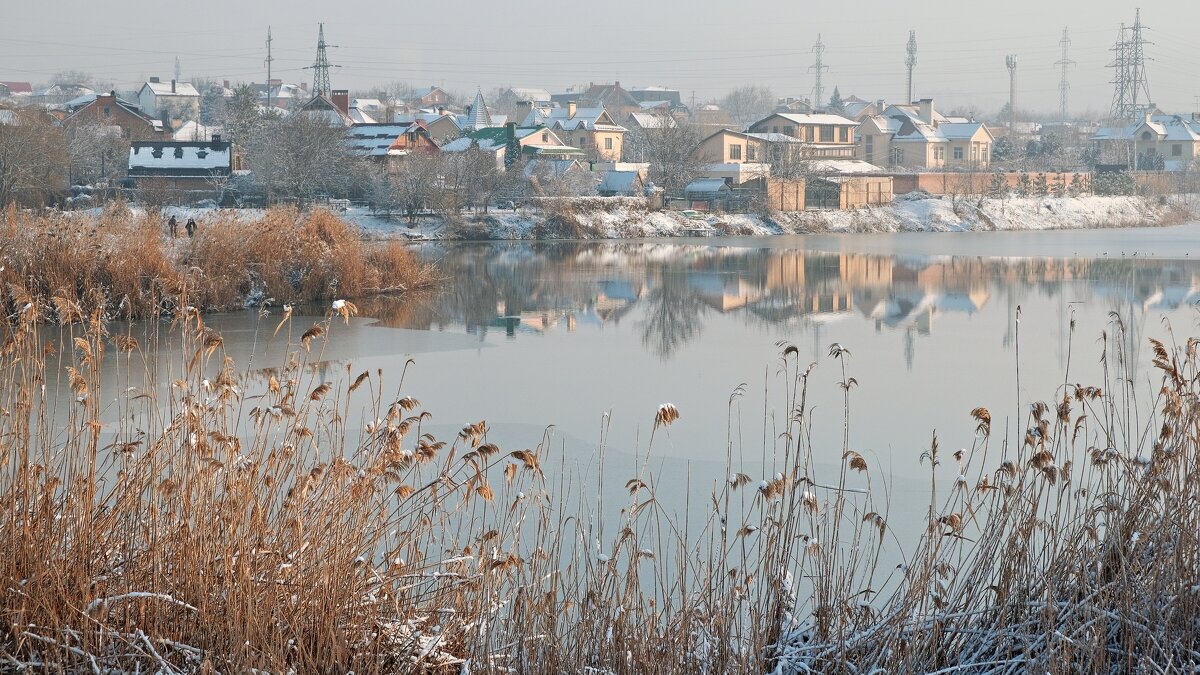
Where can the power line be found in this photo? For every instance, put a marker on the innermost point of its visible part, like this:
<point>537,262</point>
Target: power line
<point>321,66</point>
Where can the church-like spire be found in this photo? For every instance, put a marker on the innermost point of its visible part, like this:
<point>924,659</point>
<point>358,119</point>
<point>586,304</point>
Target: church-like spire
<point>479,117</point>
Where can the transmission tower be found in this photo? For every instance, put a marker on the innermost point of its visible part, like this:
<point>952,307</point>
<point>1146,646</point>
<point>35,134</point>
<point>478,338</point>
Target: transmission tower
<point>1129,79</point>
<point>268,60</point>
<point>1064,85</point>
<point>321,66</point>
<point>911,61</point>
<point>1011,62</point>
<point>819,68</point>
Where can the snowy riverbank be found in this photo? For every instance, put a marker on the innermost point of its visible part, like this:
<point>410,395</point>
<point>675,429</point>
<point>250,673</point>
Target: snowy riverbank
<point>618,218</point>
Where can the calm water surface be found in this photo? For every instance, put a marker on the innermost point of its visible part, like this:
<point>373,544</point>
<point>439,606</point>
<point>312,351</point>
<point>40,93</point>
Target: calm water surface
<point>526,335</point>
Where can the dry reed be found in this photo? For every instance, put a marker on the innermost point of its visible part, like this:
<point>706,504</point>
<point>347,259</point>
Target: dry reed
<point>128,265</point>
<point>277,522</point>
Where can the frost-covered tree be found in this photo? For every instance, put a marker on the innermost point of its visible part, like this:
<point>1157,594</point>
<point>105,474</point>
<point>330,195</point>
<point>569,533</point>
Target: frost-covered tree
<point>302,157</point>
<point>668,145</point>
<point>1003,150</point>
<point>33,158</point>
<point>836,104</point>
<point>748,104</point>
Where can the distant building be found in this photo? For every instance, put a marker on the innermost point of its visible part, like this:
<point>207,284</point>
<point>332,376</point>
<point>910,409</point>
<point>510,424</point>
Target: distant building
<point>59,94</point>
<point>538,97</point>
<point>111,110</point>
<point>335,110</point>
<point>612,97</point>
<point>590,129</point>
<point>430,97</point>
<point>536,142</point>
<point>824,135</point>
<point>172,100</point>
<point>381,141</point>
<point>1169,141</point>
<point>919,137</point>
<point>189,170</point>
<point>620,184</point>
<point>15,89</point>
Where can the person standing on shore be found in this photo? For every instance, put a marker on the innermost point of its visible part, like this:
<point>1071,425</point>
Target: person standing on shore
<point>191,227</point>
<point>173,227</point>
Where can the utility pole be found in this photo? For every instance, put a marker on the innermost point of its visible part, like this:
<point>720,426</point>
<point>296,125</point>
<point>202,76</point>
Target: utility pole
<point>819,68</point>
<point>1011,62</point>
<point>321,66</point>
<point>1064,86</point>
<point>911,61</point>
<point>178,71</point>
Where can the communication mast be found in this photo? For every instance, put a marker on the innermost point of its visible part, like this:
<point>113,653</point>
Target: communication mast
<point>911,61</point>
<point>1011,62</point>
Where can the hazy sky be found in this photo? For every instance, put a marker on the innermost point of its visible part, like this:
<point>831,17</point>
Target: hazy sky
<point>700,46</point>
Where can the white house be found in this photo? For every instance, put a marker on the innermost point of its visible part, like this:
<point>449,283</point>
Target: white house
<point>174,99</point>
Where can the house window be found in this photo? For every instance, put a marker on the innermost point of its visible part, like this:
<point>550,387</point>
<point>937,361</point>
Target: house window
<point>897,155</point>
<point>958,153</point>
<point>735,152</point>
<point>1145,135</point>
<point>608,144</point>
<point>826,134</point>
<point>775,129</point>
<point>789,131</point>
<point>751,153</point>
<point>843,134</point>
<point>869,144</point>
<point>545,137</point>
<point>1177,150</point>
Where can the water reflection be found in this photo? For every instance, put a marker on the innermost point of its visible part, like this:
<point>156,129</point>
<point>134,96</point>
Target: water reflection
<point>673,290</point>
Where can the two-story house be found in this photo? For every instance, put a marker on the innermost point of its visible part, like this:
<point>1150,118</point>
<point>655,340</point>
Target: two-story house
<point>918,137</point>
<point>1173,138</point>
<point>825,136</point>
<point>174,100</point>
<point>592,130</point>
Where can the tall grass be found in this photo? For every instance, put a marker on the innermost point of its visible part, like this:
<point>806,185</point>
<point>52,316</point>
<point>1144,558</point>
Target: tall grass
<point>128,265</point>
<point>233,521</point>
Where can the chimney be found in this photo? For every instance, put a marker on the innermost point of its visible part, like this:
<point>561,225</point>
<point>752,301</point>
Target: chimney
<point>225,83</point>
<point>154,80</point>
<point>571,108</point>
<point>341,100</point>
<point>303,86</point>
<point>523,109</point>
<point>1149,117</point>
<point>617,84</point>
<point>926,107</point>
<point>441,110</point>
<point>216,139</point>
<point>172,86</point>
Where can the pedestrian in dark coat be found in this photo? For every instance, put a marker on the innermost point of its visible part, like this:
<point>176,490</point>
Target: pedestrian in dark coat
<point>173,227</point>
<point>191,227</point>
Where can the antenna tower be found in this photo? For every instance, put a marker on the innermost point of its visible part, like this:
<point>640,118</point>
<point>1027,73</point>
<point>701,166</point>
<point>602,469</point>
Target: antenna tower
<point>819,68</point>
<point>321,66</point>
<point>268,61</point>
<point>911,61</point>
<point>1011,62</point>
<point>1064,85</point>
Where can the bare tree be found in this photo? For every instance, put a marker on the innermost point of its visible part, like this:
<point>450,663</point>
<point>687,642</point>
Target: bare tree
<point>668,145</point>
<point>98,153</point>
<point>748,104</point>
<point>304,157</point>
<point>33,158</point>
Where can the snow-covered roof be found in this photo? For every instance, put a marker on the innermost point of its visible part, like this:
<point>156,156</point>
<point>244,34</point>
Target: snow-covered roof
<point>816,118</point>
<point>374,140</point>
<point>774,138</point>
<point>619,182</point>
<point>358,116</point>
<point>648,105</point>
<point>1167,127</point>
<point>707,185</point>
<point>959,131</point>
<point>592,119</point>
<point>370,104</point>
<point>164,88</point>
<point>167,157</point>
<point>66,90</point>
<point>844,166</point>
<point>652,121</point>
<point>17,88</point>
<point>194,131</point>
<point>554,167</point>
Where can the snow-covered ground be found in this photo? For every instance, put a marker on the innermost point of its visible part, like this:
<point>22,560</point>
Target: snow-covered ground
<point>907,214</point>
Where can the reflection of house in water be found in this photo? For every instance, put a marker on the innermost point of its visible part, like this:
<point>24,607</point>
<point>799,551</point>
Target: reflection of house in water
<point>1175,292</point>
<point>896,293</point>
<point>723,292</point>
<point>615,298</point>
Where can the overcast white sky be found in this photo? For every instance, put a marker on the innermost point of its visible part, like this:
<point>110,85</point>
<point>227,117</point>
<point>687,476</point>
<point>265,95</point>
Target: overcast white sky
<point>700,46</point>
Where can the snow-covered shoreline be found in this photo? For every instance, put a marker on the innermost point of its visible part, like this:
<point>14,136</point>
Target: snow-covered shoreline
<point>629,219</point>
